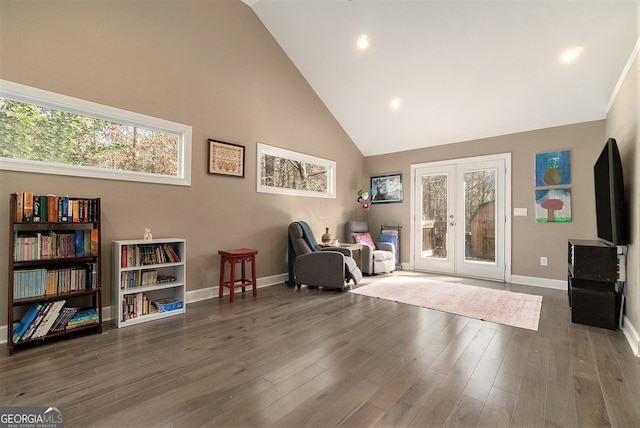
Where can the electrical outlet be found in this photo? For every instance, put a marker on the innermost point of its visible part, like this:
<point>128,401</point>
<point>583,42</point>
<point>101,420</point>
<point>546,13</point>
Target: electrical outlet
<point>543,261</point>
<point>520,212</point>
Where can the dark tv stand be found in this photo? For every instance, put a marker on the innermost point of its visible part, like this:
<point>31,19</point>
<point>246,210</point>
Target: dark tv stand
<point>594,284</point>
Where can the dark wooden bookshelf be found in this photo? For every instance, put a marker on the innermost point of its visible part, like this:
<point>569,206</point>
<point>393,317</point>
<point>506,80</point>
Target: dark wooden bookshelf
<point>84,298</point>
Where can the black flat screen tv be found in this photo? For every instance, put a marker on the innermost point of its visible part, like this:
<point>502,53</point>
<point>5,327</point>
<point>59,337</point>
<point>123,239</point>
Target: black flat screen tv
<point>611,211</point>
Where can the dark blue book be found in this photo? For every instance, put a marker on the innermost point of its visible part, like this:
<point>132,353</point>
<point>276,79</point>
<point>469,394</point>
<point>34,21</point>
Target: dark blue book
<point>79,243</point>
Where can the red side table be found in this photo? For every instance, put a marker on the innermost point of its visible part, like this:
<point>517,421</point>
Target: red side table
<point>241,255</point>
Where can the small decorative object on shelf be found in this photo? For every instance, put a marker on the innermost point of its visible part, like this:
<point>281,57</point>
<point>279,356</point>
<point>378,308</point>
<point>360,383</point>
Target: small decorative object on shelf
<point>148,280</point>
<point>147,234</point>
<point>54,268</point>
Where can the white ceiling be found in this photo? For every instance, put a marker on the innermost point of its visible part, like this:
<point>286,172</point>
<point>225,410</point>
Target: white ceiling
<point>463,70</point>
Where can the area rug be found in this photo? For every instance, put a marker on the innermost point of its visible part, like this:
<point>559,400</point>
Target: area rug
<point>499,306</point>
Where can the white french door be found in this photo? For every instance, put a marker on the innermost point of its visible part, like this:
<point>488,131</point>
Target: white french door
<point>460,220</point>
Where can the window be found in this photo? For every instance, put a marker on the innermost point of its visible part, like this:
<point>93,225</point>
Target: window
<point>49,133</point>
<point>290,173</point>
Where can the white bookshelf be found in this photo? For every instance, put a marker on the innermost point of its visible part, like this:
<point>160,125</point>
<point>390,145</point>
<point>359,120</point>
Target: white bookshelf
<point>133,277</point>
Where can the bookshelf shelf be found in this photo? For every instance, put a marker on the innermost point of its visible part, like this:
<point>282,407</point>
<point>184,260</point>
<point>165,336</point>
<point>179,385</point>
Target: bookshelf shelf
<point>54,283</point>
<point>148,280</point>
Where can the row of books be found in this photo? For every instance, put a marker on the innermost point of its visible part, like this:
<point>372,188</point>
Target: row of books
<point>29,283</point>
<point>136,305</point>
<point>143,255</point>
<point>51,317</point>
<point>32,208</point>
<point>52,245</point>
<point>136,278</point>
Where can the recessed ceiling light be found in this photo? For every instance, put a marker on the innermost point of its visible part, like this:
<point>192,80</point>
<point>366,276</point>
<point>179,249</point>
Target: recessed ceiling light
<point>572,54</point>
<point>363,41</point>
<point>395,103</point>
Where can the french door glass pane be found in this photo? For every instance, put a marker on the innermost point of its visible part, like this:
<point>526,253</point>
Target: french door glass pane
<point>480,215</point>
<point>434,215</point>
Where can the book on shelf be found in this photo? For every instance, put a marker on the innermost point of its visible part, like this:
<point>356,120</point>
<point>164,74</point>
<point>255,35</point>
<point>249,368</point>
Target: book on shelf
<point>44,208</point>
<point>168,304</point>
<point>64,210</point>
<point>36,321</point>
<point>19,206</point>
<point>36,209</point>
<point>27,205</point>
<point>48,319</point>
<point>145,255</point>
<point>79,243</point>
<point>51,245</point>
<point>94,241</point>
<point>135,305</point>
<point>83,318</point>
<point>63,319</point>
<point>75,211</point>
<point>42,319</point>
<point>92,276</point>
<point>137,279</point>
<point>54,209</point>
<point>26,320</point>
<point>29,283</point>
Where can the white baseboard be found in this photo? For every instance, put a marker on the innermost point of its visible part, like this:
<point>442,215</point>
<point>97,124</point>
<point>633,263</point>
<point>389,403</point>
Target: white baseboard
<point>556,284</point>
<point>628,329</point>
<point>632,336</point>
<point>190,297</point>
<point>212,292</point>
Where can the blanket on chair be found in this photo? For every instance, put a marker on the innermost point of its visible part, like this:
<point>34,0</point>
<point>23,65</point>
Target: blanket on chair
<point>291,258</point>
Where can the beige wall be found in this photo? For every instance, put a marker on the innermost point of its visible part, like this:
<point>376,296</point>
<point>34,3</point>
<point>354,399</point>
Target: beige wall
<point>530,239</point>
<point>622,124</point>
<point>211,65</point>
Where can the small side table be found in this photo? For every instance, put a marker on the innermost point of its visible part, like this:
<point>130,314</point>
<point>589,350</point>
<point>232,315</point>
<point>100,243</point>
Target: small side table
<point>357,247</point>
<point>233,257</point>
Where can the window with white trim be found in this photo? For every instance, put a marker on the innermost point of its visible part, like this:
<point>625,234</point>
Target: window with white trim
<point>290,173</point>
<point>45,132</point>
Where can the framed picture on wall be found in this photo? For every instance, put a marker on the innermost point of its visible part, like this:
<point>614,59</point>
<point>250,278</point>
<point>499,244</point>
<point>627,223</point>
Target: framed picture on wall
<point>386,188</point>
<point>226,158</point>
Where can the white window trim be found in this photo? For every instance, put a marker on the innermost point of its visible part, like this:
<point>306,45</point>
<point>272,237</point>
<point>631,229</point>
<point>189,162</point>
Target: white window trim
<point>53,100</point>
<point>264,149</point>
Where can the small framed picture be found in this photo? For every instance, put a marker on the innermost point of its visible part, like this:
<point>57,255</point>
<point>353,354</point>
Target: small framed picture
<point>386,189</point>
<point>226,158</point>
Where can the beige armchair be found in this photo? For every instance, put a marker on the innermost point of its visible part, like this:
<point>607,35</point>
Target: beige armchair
<point>377,257</point>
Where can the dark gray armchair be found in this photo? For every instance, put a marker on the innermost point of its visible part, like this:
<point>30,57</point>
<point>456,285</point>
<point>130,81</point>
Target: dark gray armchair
<point>329,267</point>
<point>382,259</point>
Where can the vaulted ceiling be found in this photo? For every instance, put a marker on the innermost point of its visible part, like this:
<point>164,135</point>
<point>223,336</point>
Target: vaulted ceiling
<point>457,70</point>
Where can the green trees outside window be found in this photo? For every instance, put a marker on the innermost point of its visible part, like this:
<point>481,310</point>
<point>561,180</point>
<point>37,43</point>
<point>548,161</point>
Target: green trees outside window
<point>35,133</point>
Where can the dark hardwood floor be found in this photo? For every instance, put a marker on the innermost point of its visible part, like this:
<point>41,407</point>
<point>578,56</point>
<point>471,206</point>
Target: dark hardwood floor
<point>322,358</point>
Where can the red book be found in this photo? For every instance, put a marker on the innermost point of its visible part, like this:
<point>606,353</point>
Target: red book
<point>52,208</point>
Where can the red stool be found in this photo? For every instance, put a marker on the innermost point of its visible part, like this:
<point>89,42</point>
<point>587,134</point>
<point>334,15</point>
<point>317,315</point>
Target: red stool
<point>233,257</point>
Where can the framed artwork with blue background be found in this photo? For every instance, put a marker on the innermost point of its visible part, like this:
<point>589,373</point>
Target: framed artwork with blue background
<point>386,188</point>
<point>553,168</point>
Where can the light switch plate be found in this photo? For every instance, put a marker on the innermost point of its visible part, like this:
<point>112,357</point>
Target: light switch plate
<point>520,212</point>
